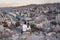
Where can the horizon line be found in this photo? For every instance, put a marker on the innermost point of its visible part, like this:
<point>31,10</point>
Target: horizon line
<point>18,4</point>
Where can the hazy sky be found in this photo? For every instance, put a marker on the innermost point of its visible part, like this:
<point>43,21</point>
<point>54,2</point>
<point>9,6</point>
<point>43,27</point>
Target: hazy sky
<point>4,3</point>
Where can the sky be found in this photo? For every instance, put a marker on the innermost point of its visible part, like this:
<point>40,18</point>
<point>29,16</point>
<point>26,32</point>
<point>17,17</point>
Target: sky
<point>8,3</point>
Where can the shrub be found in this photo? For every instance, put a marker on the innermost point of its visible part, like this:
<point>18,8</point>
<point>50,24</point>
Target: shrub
<point>5,24</point>
<point>17,24</point>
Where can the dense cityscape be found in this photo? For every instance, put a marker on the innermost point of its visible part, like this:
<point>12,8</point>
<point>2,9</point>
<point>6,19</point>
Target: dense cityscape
<point>44,20</point>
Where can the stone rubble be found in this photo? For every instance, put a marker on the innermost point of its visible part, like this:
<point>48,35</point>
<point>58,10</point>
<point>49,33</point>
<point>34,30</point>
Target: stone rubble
<point>13,35</point>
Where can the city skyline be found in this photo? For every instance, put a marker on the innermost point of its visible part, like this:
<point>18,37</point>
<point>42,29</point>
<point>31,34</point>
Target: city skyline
<point>13,3</point>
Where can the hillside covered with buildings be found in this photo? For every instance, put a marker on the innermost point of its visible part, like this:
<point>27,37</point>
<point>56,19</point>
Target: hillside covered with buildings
<point>36,13</point>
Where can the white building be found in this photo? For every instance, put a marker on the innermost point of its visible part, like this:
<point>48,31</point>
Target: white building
<point>58,17</point>
<point>11,13</point>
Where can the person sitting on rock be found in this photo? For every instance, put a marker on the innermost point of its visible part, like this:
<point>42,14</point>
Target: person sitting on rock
<point>28,28</point>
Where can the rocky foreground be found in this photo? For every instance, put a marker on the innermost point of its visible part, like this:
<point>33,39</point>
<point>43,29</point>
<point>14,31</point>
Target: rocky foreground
<point>14,35</point>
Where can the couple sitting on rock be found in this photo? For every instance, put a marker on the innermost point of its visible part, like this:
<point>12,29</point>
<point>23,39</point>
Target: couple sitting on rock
<point>23,27</point>
<point>26,27</point>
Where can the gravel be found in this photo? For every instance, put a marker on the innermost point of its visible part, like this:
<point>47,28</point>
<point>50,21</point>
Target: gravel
<point>14,35</point>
